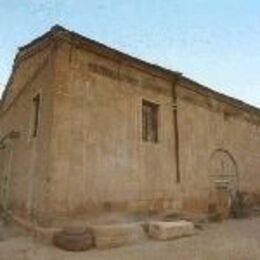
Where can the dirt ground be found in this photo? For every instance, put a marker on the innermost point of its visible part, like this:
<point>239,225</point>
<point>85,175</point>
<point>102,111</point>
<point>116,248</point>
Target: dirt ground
<point>230,240</point>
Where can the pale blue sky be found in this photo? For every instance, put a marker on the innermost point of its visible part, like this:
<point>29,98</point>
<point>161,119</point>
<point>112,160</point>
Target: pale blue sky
<point>214,42</point>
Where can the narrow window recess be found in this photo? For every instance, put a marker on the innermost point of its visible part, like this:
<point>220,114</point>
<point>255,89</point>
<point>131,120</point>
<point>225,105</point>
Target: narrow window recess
<point>36,115</point>
<point>150,121</point>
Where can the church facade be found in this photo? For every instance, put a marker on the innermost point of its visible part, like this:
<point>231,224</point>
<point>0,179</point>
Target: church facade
<point>87,131</point>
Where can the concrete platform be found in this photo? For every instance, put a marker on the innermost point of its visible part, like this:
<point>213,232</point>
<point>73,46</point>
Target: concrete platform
<point>162,230</point>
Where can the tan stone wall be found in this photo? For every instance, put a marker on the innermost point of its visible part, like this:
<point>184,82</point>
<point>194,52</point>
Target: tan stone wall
<point>25,160</point>
<point>25,69</point>
<point>89,157</point>
<point>99,161</point>
<point>207,125</point>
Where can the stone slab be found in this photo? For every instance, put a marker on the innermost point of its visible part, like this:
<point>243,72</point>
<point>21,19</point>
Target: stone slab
<point>162,230</point>
<point>109,236</point>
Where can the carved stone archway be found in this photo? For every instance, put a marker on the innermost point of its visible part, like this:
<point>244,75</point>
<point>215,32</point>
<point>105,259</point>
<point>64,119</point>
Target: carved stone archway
<point>224,179</point>
<point>223,169</point>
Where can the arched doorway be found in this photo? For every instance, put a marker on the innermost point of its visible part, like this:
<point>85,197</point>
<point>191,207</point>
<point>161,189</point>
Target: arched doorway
<point>223,173</point>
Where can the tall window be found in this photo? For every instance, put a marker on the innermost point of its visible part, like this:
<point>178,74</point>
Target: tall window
<point>150,121</point>
<point>36,115</point>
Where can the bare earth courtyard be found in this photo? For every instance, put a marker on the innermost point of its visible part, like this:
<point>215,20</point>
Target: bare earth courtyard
<point>232,240</point>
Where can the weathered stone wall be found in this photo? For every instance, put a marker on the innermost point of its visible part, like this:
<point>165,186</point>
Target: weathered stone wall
<point>89,157</point>
<point>24,160</point>
<point>99,161</point>
<point>207,125</point>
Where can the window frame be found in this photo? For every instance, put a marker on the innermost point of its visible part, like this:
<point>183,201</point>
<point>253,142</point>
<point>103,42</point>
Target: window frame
<point>150,134</point>
<point>36,115</point>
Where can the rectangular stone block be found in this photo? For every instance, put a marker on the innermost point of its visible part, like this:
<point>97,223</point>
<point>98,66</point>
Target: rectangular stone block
<point>169,230</point>
<point>109,236</point>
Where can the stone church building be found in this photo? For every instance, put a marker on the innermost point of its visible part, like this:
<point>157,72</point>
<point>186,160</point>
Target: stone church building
<point>86,130</point>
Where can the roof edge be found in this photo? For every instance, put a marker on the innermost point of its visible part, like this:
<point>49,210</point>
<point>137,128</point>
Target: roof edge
<point>59,32</point>
<point>204,90</point>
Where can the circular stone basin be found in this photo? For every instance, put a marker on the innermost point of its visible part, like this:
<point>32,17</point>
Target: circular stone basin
<point>73,239</point>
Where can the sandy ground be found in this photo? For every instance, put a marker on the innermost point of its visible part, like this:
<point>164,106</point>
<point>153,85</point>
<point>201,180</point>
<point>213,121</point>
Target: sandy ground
<point>230,240</point>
